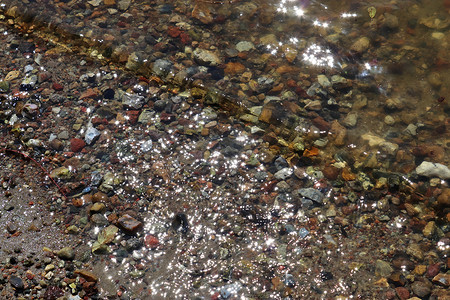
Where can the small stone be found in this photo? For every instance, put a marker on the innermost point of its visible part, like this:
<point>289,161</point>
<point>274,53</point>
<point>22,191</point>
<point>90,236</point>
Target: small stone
<point>323,81</point>
<point>61,173</point>
<point>415,251</point>
<point>91,135</point>
<point>389,120</point>
<point>312,193</point>
<point>331,172</point>
<point>429,229</point>
<point>444,198</point>
<point>383,268</point>
<point>420,270</point>
<point>16,282</point>
<point>97,208</point>
<point>151,241</point>
<point>206,57</point>
<point>133,101</point>
<point>402,293</point>
<point>76,145</point>
<point>162,67</point>
<point>361,45</point>
<point>129,224</point>
<point>88,275</point>
<point>56,144</point>
<point>66,253</point>
<point>430,169</point>
<point>283,173</point>
<point>100,197</point>
<point>390,21</point>
<point>244,46</point>
<point>442,279</point>
<point>433,270</point>
<point>421,288</point>
<point>233,68</point>
<point>351,119</point>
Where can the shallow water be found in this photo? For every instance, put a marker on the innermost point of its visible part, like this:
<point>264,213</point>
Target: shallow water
<point>269,148</point>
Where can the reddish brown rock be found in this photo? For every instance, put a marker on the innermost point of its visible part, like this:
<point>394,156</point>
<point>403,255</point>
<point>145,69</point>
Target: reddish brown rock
<point>444,198</point>
<point>89,93</point>
<point>331,172</point>
<point>57,87</point>
<point>233,68</point>
<point>133,116</point>
<point>88,275</point>
<point>129,224</point>
<point>76,145</point>
<point>402,293</point>
<point>320,123</point>
<point>339,133</point>
<point>151,241</point>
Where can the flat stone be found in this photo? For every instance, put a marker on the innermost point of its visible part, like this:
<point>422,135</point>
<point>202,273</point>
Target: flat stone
<point>244,46</point>
<point>91,135</point>
<point>88,275</point>
<point>16,282</point>
<point>129,224</point>
<point>283,174</point>
<point>312,193</point>
<point>442,279</point>
<point>430,169</point>
<point>206,57</point>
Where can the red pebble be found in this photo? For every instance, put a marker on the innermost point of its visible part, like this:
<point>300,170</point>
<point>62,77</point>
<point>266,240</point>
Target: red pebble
<point>433,270</point>
<point>57,87</point>
<point>76,145</point>
<point>151,241</point>
<point>402,293</point>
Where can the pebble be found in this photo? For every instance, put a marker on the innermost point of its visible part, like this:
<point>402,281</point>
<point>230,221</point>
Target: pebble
<point>283,174</point>
<point>421,289</point>
<point>323,81</point>
<point>132,101</point>
<point>91,135</point>
<point>66,253</point>
<point>16,282</point>
<point>383,268</point>
<point>61,173</point>
<point>244,46</point>
<point>312,194</point>
<point>129,224</point>
<point>206,57</point>
<point>361,45</point>
<point>430,169</point>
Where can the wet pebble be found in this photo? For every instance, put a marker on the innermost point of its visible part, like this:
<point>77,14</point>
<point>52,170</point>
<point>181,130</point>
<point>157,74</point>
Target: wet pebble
<point>16,282</point>
<point>66,253</point>
<point>421,288</point>
<point>129,224</point>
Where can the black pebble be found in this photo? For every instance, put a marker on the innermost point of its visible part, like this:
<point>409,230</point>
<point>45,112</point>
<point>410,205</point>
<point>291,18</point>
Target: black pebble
<point>16,282</point>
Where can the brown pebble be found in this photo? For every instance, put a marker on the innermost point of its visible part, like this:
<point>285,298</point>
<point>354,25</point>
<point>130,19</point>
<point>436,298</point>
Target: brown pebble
<point>402,293</point>
<point>89,276</point>
<point>433,270</point>
<point>331,172</point>
<point>129,224</point>
<point>100,197</point>
<point>56,144</point>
